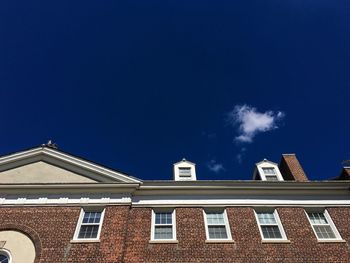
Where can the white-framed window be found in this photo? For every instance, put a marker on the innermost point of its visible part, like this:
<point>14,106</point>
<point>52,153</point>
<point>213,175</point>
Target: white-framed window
<point>270,225</point>
<point>89,224</point>
<point>217,225</point>
<point>323,226</point>
<point>185,172</point>
<point>5,256</point>
<point>163,225</point>
<point>270,173</point>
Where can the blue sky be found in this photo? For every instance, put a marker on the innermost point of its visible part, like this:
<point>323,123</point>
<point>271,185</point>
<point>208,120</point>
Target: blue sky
<point>138,85</point>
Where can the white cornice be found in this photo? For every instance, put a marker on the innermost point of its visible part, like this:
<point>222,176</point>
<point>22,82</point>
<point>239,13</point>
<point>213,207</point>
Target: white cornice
<point>85,188</point>
<point>65,199</point>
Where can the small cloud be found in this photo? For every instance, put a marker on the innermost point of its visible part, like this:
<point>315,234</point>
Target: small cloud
<point>250,122</point>
<point>209,135</point>
<point>215,167</point>
<point>240,155</point>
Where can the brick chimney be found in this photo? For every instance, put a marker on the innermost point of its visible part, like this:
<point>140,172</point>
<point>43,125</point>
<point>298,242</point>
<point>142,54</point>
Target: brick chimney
<point>291,169</point>
<point>344,174</point>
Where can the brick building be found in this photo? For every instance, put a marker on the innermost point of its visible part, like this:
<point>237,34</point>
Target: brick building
<point>55,207</point>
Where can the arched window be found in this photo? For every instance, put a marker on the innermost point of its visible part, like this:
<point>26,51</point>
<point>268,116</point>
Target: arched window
<point>4,256</point>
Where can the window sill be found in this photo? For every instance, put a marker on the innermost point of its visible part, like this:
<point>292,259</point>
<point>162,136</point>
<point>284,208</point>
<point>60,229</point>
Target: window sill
<point>219,241</point>
<point>85,241</point>
<point>332,241</point>
<point>285,241</point>
<point>163,241</point>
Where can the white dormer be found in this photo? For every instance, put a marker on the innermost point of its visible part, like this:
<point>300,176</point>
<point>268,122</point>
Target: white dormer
<point>184,171</point>
<point>268,171</point>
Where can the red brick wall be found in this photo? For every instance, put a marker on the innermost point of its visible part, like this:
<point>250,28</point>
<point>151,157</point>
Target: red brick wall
<point>52,228</point>
<point>303,246</point>
<point>55,228</point>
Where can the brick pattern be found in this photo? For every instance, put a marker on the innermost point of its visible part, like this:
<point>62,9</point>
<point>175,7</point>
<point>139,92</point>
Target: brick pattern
<point>126,233</point>
<point>191,247</point>
<point>55,226</point>
<point>291,168</point>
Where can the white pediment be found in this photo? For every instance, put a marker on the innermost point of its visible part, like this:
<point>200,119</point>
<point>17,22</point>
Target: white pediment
<point>41,172</point>
<point>47,165</point>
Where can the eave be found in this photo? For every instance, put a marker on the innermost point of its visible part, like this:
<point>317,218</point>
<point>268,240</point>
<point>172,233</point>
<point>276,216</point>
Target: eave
<point>84,188</point>
<point>243,188</point>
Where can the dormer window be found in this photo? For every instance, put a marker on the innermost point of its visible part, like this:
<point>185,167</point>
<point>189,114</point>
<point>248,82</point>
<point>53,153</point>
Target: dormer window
<point>184,171</point>
<point>267,171</point>
<point>270,174</point>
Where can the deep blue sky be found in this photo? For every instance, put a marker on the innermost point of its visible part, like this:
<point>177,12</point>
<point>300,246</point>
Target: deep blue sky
<point>137,85</point>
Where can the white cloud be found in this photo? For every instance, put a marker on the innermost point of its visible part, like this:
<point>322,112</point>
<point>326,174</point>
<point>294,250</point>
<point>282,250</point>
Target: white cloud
<point>250,122</point>
<point>215,167</point>
<point>240,155</point>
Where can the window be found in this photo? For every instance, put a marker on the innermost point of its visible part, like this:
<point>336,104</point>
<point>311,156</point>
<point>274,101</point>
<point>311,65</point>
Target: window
<point>163,225</point>
<point>216,225</point>
<point>270,225</point>
<point>185,171</point>
<point>270,174</point>
<point>89,224</point>
<point>4,256</point>
<point>323,226</point>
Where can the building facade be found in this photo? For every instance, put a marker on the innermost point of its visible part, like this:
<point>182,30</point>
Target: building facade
<point>55,207</point>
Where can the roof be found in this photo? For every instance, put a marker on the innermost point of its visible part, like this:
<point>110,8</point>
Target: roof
<point>66,161</point>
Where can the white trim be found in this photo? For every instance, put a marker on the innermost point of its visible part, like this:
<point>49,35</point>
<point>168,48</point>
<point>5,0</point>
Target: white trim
<point>79,224</point>
<point>184,165</point>
<point>63,160</point>
<point>223,201</point>
<point>267,164</point>
<point>226,224</point>
<point>279,225</point>
<point>153,225</point>
<point>63,199</point>
<point>6,253</point>
<point>330,223</point>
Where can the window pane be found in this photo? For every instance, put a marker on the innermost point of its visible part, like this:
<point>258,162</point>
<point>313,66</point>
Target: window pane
<point>4,259</point>
<point>185,171</point>
<point>164,218</point>
<point>317,218</point>
<point>324,232</point>
<point>163,232</point>
<point>88,231</point>
<point>266,218</point>
<point>271,232</point>
<point>271,178</point>
<point>215,218</point>
<point>269,170</point>
<point>92,217</point>
<point>217,232</point>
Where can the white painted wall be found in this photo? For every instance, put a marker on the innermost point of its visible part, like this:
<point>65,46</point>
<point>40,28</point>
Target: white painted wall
<point>20,247</point>
<point>41,172</point>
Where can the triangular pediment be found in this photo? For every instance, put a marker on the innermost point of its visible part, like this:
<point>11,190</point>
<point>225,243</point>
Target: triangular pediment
<point>41,172</point>
<point>47,165</point>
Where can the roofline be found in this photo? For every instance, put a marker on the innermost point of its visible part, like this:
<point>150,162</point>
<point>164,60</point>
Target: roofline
<point>266,161</point>
<point>69,188</point>
<point>199,188</point>
<point>224,184</point>
<point>184,161</point>
<point>69,158</point>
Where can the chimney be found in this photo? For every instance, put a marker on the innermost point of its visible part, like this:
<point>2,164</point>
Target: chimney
<point>345,172</point>
<point>291,169</point>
